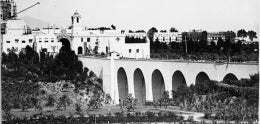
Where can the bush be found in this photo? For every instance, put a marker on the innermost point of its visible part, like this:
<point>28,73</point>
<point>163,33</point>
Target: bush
<point>150,114</point>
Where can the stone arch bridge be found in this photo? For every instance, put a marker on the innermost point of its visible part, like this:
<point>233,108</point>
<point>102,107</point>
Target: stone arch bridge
<point>147,79</point>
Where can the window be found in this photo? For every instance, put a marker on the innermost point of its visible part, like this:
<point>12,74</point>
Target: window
<point>16,40</point>
<point>137,50</point>
<point>88,39</point>
<point>23,41</point>
<point>8,41</point>
<point>46,40</point>
<point>52,39</point>
<point>130,50</point>
<point>82,39</point>
<point>30,40</point>
<point>40,40</point>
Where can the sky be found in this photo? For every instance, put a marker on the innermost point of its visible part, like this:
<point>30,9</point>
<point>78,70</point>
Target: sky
<point>184,15</point>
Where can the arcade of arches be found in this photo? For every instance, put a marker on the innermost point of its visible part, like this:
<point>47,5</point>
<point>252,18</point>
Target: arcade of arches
<point>157,82</point>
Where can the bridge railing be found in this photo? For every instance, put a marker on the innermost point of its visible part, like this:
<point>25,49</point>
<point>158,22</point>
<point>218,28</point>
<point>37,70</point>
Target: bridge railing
<point>171,60</point>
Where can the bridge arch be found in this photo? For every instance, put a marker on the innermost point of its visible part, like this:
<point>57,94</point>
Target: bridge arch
<point>122,84</point>
<point>230,76</point>
<point>201,78</point>
<point>178,80</point>
<point>158,85</point>
<point>139,85</point>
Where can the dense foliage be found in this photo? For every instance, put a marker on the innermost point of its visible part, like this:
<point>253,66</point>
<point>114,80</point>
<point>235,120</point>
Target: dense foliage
<point>134,40</point>
<point>227,49</point>
<point>22,73</point>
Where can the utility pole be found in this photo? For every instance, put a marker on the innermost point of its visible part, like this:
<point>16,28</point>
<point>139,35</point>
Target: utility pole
<point>1,45</point>
<point>186,50</point>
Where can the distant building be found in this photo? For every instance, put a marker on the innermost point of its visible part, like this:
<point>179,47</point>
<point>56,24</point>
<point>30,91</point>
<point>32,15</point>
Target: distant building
<point>246,40</point>
<point>136,35</point>
<point>198,35</point>
<point>167,37</point>
<point>195,35</point>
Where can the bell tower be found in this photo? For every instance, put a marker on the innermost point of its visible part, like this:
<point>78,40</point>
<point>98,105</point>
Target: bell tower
<point>75,19</point>
<point>76,23</point>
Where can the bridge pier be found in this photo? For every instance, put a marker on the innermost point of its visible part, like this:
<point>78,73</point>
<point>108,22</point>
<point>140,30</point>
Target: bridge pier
<point>130,78</point>
<point>148,85</point>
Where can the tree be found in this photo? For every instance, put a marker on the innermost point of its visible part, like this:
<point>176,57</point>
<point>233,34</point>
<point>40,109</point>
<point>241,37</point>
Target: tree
<point>96,99</point>
<point>50,101</point>
<point>150,34</point>
<point>241,33</point>
<point>108,99</point>
<point>63,101</point>
<point>130,103</point>
<point>113,27</point>
<point>163,31</point>
<point>251,35</point>
<point>165,98</point>
<point>172,29</point>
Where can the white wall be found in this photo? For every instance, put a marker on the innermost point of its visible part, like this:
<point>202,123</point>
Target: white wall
<point>49,42</point>
<point>17,42</point>
<point>15,27</point>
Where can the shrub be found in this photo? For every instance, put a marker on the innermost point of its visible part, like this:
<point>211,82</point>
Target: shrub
<point>108,99</point>
<point>150,114</point>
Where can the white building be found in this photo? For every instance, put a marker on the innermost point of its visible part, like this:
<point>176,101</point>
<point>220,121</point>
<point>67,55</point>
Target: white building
<point>215,36</point>
<point>47,43</point>
<point>167,37</point>
<point>79,38</point>
<point>16,37</point>
<point>87,41</point>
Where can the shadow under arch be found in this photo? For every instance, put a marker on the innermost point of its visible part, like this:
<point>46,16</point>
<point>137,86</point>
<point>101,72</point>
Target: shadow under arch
<point>178,80</point>
<point>229,77</point>
<point>201,78</point>
<point>139,86</point>
<point>158,85</point>
<point>122,84</point>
